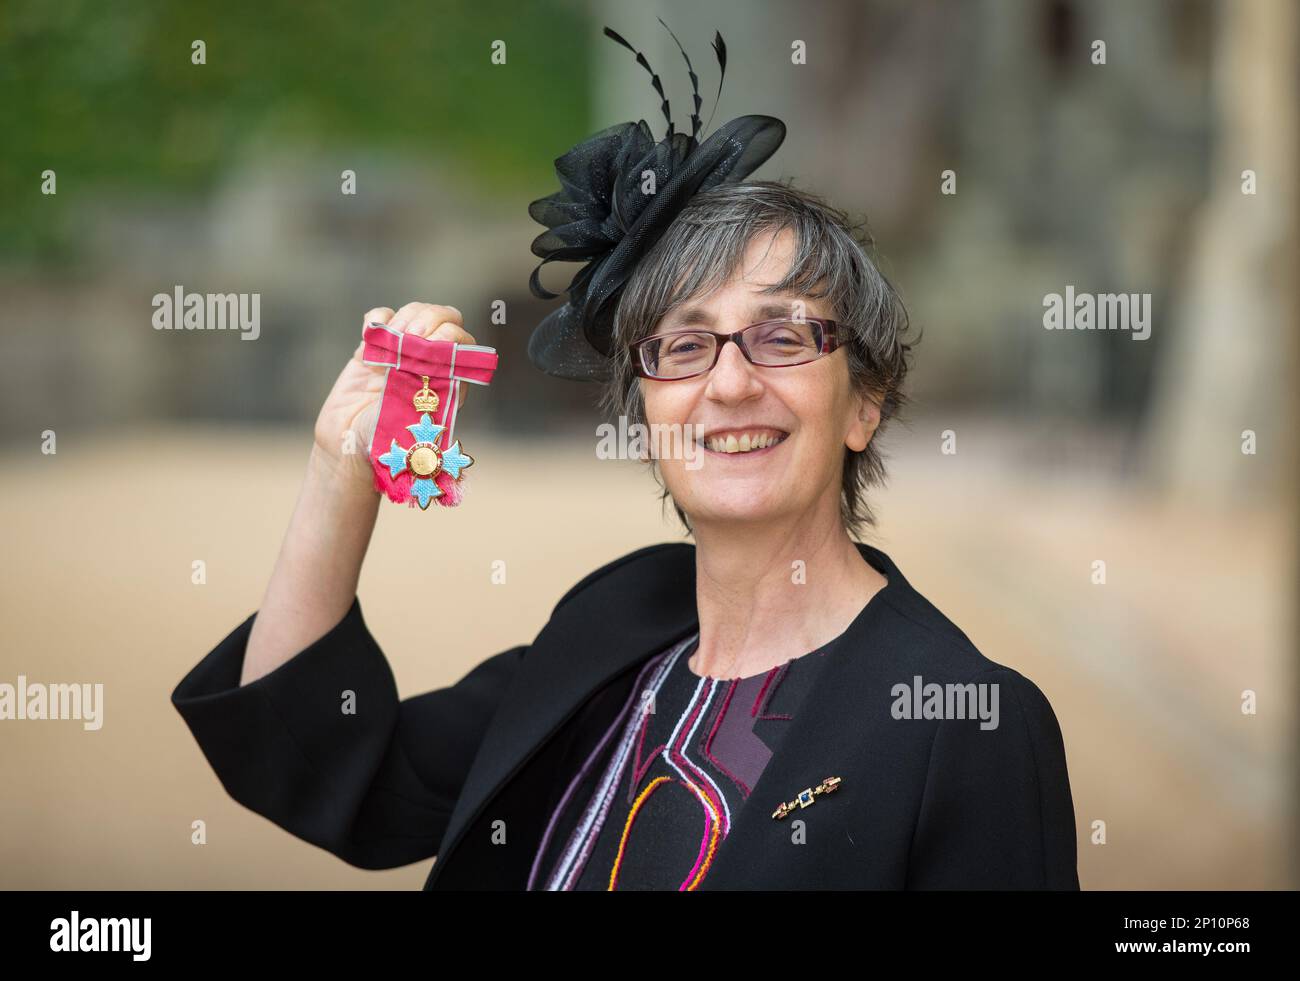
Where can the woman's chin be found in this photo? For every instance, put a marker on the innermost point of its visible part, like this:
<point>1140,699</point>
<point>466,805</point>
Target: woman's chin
<point>741,510</point>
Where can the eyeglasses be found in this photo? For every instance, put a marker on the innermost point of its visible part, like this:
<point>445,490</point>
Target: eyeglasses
<point>680,354</point>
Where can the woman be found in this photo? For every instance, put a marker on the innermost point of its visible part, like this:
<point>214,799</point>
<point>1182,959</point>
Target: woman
<point>774,707</point>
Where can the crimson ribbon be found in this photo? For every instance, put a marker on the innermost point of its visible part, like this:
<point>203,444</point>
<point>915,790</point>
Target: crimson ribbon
<point>409,359</point>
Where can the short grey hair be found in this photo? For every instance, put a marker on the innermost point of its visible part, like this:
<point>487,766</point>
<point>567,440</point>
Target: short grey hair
<point>833,258</point>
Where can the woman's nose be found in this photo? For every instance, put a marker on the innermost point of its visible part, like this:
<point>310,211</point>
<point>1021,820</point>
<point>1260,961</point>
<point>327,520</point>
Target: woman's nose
<point>732,373</point>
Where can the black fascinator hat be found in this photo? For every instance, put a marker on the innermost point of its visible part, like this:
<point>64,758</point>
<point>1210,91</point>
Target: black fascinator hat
<point>603,217</point>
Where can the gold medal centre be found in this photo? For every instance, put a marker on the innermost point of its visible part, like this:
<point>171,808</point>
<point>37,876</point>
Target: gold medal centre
<point>424,461</point>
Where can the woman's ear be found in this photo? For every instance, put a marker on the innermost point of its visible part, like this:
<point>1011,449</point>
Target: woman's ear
<point>866,420</point>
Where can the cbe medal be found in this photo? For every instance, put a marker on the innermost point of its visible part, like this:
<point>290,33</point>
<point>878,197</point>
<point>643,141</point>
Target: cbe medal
<point>420,462</point>
<point>424,460</point>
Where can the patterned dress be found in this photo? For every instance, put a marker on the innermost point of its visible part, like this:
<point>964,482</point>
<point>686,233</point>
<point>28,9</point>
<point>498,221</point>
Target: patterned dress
<point>652,805</point>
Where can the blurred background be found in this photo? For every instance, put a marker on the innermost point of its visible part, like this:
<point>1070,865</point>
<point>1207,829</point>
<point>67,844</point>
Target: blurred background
<point>1173,460</point>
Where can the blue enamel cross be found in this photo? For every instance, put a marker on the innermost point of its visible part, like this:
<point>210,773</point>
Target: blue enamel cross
<point>423,459</point>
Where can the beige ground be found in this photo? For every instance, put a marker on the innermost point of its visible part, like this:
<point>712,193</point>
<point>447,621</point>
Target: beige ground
<point>1145,673</point>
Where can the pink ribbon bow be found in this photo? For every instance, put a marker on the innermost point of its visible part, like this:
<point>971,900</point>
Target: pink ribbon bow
<point>402,427</point>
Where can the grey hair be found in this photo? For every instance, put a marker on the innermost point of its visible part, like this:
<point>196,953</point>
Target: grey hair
<point>704,246</point>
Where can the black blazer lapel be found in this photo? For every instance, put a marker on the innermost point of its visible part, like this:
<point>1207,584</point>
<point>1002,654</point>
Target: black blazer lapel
<point>622,618</point>
<point>758,853</point>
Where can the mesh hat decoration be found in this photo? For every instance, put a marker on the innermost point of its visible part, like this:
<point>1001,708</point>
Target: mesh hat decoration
<point>603,216</point>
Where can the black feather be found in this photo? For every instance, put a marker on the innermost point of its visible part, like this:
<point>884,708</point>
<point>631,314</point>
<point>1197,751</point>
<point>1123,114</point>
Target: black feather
<point>610,32</point>
<point>654,79</point>
<point>695,82</point>
<point>720,47</point>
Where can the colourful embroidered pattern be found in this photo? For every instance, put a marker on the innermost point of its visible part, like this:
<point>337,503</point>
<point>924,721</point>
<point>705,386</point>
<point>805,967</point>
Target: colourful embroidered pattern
<point>712,739</point>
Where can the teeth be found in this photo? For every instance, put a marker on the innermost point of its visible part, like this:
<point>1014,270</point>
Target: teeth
<point>746,442</point>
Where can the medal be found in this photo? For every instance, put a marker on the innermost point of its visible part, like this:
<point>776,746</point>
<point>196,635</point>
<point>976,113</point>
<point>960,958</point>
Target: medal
<point>423,460</point>
<point>423,463</point>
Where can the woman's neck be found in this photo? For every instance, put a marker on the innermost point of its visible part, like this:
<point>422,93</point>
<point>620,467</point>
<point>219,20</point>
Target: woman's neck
<point>767,596</point>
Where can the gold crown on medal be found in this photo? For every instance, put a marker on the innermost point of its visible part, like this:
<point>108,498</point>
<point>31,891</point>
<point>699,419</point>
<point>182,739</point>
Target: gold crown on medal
<point>426,399</point>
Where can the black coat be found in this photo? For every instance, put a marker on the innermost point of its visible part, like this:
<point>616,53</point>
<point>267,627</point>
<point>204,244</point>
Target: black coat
<point>922,803</point>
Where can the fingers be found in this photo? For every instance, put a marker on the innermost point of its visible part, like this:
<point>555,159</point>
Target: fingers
<point>379,315</point>
<point>422,313</point>
<point>439,323</point>
<point>431,320</point>
<point>431,324</point>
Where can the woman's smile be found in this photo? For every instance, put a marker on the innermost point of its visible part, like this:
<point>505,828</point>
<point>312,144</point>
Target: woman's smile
<point>750,441</point>
<point>738,454</point>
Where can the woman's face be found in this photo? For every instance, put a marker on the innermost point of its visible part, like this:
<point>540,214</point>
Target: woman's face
<point>811,408</point>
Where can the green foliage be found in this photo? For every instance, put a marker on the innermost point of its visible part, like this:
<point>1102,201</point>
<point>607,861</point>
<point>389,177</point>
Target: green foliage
<point>105,94</point>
